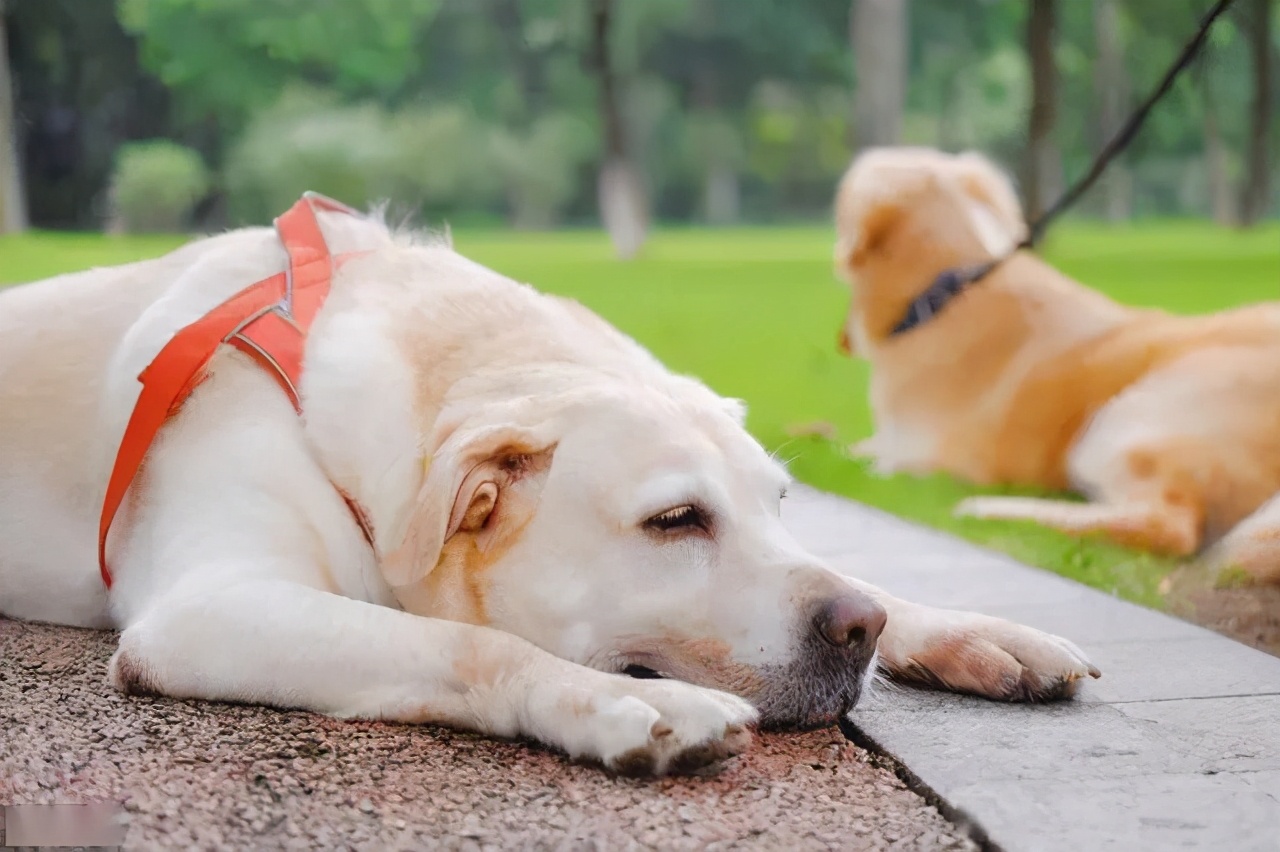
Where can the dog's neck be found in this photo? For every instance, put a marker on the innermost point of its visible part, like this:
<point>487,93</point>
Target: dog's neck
<point>997,241</point>
<point>949,284</point>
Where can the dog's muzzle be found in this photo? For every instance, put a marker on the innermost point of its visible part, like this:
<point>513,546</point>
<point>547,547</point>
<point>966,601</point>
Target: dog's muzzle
<point>823,681</point>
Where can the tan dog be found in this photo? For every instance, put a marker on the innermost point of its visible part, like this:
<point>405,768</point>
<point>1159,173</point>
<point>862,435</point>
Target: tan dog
<point>1169,425</point>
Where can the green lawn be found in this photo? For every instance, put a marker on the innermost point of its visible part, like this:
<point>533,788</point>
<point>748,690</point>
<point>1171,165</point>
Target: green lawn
<point>754,312</point>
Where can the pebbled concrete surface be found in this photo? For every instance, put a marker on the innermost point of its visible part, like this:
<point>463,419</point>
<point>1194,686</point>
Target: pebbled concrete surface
<point>207,776</point>
<point>1175,748</point>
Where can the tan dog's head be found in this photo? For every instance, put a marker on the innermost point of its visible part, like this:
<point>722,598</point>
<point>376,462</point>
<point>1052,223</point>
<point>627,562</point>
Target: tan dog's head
<point>633,526</point>
<point>903,215</point>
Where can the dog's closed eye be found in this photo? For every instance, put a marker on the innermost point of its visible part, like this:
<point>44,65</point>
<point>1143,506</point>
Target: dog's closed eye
<point>684,518</point>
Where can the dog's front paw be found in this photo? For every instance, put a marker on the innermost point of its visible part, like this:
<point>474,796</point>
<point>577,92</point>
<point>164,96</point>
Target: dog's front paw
<point>868,449</point>
<point>656,727</point>
<point>1001,660</point>
<point>877,454</point>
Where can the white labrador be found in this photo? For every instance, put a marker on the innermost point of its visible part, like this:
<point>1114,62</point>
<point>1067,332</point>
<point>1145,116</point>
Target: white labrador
<point>550,511</point>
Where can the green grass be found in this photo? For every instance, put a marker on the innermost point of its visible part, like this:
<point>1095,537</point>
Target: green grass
<point>33,256</point>
<point>754,312</point>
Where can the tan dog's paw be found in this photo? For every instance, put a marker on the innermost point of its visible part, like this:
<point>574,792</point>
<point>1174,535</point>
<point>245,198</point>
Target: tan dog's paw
<point>867,449</point>
<point>872,450</point>
<point>665,726</point>
<point>981,507</point>
<point>1001,660</point>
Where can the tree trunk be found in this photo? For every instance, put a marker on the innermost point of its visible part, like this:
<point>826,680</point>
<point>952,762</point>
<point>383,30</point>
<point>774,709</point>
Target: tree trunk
<point>526,66</point>
<point>13,202</point>
<point>951,132</point>
<point>721,192</point>
<point>878,36</point>
<point>1043,162</point>
<point>1111,87</point>
<point>624,204</point>
<point>1222,201</point>
<point>1222,204</point>
<point>1256,194</point>
<point>721,195</point>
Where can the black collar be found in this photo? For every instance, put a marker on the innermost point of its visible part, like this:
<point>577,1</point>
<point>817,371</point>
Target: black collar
<point>949,284</point>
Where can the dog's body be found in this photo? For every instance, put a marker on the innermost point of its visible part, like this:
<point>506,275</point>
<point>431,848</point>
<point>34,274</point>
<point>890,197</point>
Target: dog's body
<point>1170,425</point>
<point>549,507</point>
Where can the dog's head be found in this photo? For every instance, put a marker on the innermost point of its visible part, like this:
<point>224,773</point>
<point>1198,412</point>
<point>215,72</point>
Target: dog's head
<point>634,528</point>
<point>903,215</point>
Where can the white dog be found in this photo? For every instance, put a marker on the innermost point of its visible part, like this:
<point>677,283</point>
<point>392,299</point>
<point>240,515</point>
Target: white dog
<point>488,510</point>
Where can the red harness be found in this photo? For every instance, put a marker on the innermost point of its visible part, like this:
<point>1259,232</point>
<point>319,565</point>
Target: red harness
<point>268,321</point>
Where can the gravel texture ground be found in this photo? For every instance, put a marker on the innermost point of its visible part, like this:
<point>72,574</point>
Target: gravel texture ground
<point>194,775</point>
<point>1245,612</point>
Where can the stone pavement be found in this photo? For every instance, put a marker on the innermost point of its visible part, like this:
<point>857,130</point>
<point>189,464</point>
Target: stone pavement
<point>1176,747</point>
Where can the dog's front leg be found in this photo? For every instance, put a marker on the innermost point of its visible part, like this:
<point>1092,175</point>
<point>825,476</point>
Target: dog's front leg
<point>287,645</point>
<point>974,653</point>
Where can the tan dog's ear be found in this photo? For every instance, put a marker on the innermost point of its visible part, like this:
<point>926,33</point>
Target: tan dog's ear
<point>465,480</point>
<point>870,233</point>
<point>982,181</point>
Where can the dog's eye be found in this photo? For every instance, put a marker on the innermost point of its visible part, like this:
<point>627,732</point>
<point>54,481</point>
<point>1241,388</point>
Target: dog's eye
<point>681,517</point>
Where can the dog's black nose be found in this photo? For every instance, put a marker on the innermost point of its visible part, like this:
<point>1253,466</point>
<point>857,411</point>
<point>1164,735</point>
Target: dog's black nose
<point>850,620</point>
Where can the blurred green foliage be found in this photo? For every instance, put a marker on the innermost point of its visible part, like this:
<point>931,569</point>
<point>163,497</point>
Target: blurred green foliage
<point>234,56</point>
<point>156,186</point>
<point>736,109</point>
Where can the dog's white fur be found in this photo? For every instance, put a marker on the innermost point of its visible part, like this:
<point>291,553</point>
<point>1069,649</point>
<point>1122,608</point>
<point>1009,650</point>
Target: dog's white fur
<point>508,448</point>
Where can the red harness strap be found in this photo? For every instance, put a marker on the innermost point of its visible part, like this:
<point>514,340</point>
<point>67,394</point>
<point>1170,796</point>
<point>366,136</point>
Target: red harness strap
<point>268,320</point>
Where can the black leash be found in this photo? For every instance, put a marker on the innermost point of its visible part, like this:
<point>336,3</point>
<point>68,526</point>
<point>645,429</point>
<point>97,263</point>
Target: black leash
<point>951,282</point>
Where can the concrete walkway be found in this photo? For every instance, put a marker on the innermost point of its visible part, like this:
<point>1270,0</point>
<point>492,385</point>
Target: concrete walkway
<point>1176,747</point>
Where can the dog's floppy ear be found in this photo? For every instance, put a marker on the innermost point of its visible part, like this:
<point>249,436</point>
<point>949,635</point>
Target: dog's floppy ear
<point>735,408</point>
<point>867,233</point>
<point>983,181</point>
<point>869,206</point>
<point>465,479</point>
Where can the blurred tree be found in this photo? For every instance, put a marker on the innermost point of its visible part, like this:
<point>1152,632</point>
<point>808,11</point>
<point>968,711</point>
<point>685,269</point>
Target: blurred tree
<point>624,204</point>
<point>878,35</point>
<point>726,64</point>
<point>724,109</point>
<point>308,140</point>
<point>1183,159</point>
<point>13,201</point>
<point>155,187</point>
<point>969,78</point>
<point>1217,157</point>
<point>539,164</point>
<point>1043,162</point>
<point>1112,93</point>
<point>80,94</point>
<point>516,66</point>
<point>712,133</point>
<point>1256,191</point>
<point>231,57</point>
